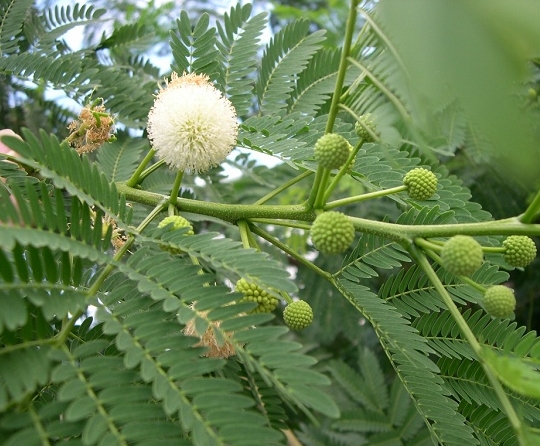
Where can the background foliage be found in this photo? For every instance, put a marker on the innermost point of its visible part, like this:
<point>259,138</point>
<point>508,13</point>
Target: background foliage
<point>92,343</point>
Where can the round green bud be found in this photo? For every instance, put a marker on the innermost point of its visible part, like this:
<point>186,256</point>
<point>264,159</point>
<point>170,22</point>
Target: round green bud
<point>520,250</point>
<point>499,301</point>
<point>366,122</point>
<point>254,293</point>
<point>177,223</point>
<point>298,315</point>
<point>421,183</point>
<point>462,255</point>
<point>332,232</point>
<point>332,151</point>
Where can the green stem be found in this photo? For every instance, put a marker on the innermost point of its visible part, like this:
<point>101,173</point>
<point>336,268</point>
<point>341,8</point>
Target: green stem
<point>234,212</point>
<point>319,198</point>
<point>227,212</point>
<point>23,346</point>
<point>36,419</point>
<point>283,187</point>
<point>494,249</point>
<point>316,186</point>
<point>509,226</point>
<point>135,178</point>
<point>150,170</point>
<point>426,244</point>
<point>532,210</point>
<point>265,235</point>
<point>342,70</point>
<point>317,190</point>
<point>251,238</point>
<point>362,197</point>
<point>120,253</point>
<point>286,297</point>
<point>513,418</point>
<point>244,233</point>
<point>288,224</point>
<point>344,169</point>
<point>176,187</point>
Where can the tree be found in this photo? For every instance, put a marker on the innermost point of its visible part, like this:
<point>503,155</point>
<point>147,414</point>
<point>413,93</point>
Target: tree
<point>353,294</point>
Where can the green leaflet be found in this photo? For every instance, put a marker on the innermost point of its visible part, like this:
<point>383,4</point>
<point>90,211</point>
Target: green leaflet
<point>408,351</point>
<point>238,44</point>
<point>120,158</point>
<point>413,295</point>
<point>68,171</point>
<point>126,38</point>
<point>22,373</point>
<point>285,57</point>
<point>59,20</point>
<point>228,255</point>
<point>194,49</point>
<point>12,15</point>
<point>515,348</point>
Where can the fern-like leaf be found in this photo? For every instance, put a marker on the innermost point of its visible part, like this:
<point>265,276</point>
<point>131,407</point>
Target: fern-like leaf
<point>193,48</point>
<point>289,138</point>
<point>133,36</point>
<point>382,415</point>
<point>119,159</point>
<point>69,171</point>
<point>317,82</point>
<point>58,20</point>
<point>230,256</point>
<point>408,351</point>
<point>238,45</point>
<point>284,58</point>
<point>12,16</point>
<point>413,294</point>
<point>458,364</point>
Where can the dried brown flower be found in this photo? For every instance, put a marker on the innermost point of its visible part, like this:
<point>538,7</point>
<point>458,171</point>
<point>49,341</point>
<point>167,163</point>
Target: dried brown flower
<point>93,127</point>
<point>208,339</point>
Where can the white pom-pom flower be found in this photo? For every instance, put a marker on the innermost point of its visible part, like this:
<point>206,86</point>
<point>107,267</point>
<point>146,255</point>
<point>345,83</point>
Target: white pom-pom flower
<point>192,126</point>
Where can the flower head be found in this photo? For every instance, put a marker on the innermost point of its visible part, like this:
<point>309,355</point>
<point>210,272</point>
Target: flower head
<point>192,126</point>
<point>94,127</point>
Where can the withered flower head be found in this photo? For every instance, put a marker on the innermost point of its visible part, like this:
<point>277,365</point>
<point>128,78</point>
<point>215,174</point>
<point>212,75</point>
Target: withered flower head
<point>93,127</point>
<point>209,340</point>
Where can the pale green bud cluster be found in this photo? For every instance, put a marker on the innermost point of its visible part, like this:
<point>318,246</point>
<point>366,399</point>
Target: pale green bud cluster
<point>499,301</point>
<point>332,232</point>
<point>266,303</point>
<point>298,315</point>
<point>520,250</point>
<point>332,151</point>
<point>462,255</point>
<point>178,222</point>
<point>362,130</point>
<point>421,183</point>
